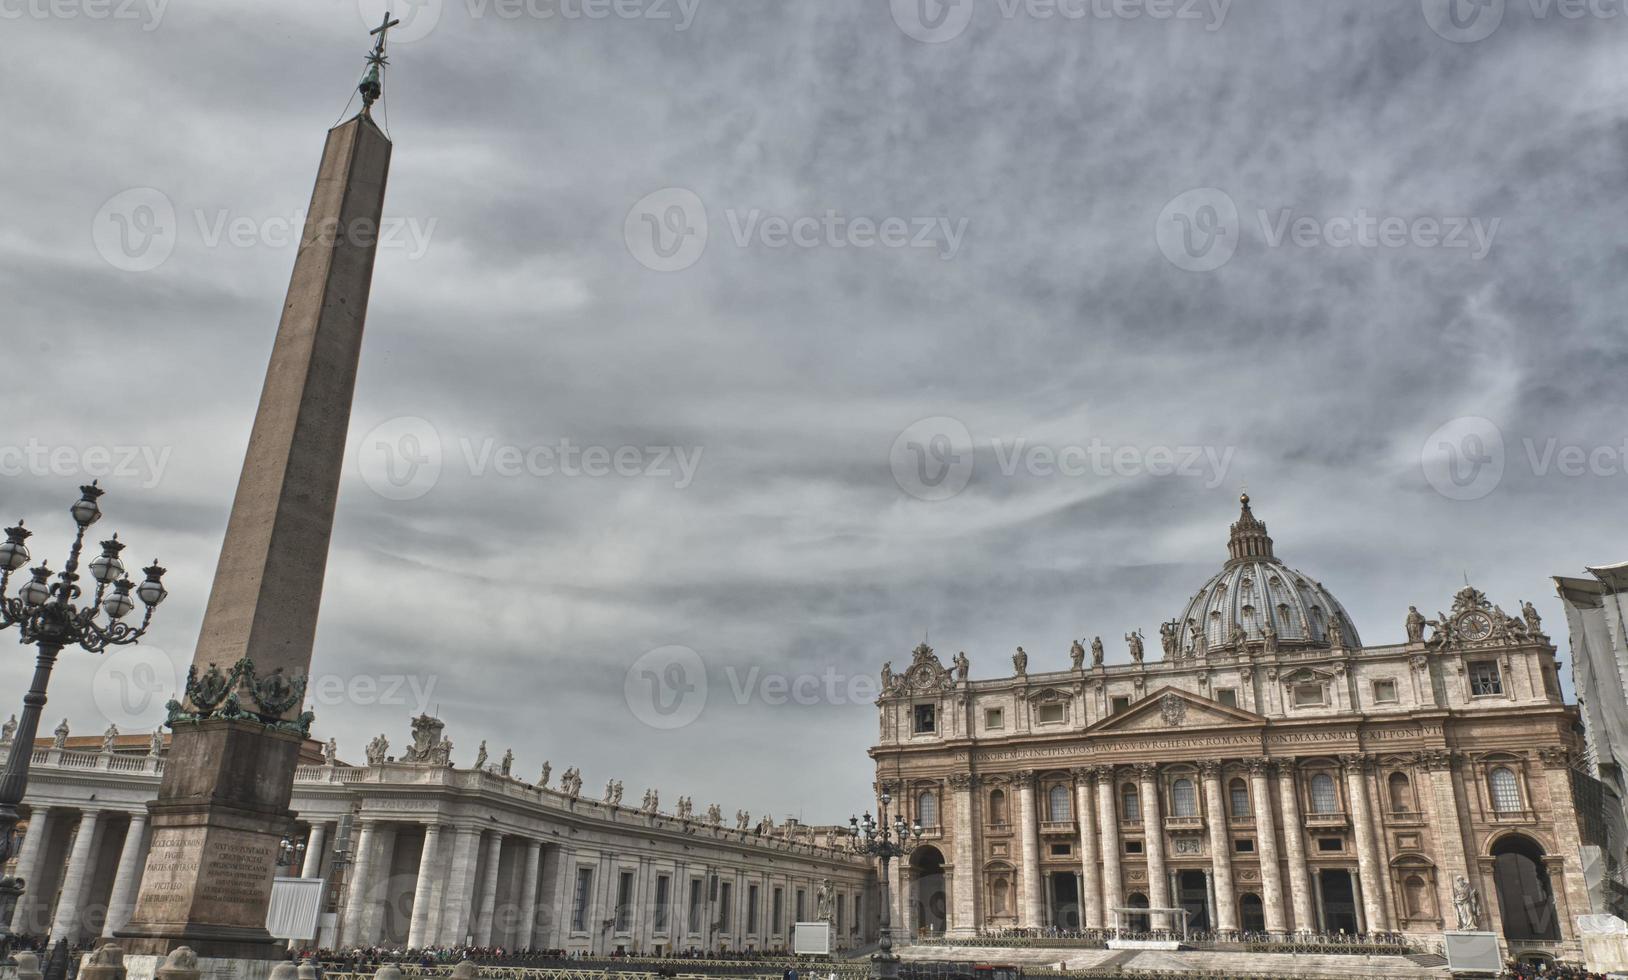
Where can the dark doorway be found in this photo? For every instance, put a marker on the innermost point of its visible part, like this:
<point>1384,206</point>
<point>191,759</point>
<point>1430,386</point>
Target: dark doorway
<point>1193,894</point>
<point>1251,914</point>
<point>1137,923</point>
<point>1524,892</point>
<point>927,898</point>
<point>1065,900</point>
<point>1339,900</point>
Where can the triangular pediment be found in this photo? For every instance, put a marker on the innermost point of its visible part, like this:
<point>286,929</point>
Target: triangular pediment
<point>1169,708</point>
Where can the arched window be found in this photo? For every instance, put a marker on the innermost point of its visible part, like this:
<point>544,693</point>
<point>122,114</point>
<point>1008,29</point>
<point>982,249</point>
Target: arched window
<point>1130,806</point>
<point>1323,797</point>
<point>1416,893</point>
<point>1183,799</point>
<point>1506,790</point>
<point>997,808</point>
<point>927,809</point>
<point>1057,804</point>
<point>1239,794</point>
<point>1401,793</point>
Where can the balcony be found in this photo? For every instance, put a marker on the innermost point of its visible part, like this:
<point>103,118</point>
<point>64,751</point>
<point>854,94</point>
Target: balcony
<point>1326,820</point>
<point>1183,823</point>
<point>1405,818</point>
<point>1057,827</point>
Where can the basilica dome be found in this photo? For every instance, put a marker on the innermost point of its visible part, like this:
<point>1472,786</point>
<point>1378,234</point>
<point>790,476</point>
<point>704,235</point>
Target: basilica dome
<point>1253,591</point>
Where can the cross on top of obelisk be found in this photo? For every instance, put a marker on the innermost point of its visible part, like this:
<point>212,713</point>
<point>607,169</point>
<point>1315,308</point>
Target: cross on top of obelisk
<point>372,87</point>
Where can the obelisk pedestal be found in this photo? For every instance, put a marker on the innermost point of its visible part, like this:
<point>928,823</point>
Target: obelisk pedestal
<point>222,808</point>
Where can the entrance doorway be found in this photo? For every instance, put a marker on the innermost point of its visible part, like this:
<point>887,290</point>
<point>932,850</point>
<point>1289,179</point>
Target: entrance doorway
<point>1251,914</point>
<point>1065,900</point>
<point>1525,894</point>
<point>1134,922</point>
<point>1193,894</point>
<point>928,907</point>
<point>1339,892</point>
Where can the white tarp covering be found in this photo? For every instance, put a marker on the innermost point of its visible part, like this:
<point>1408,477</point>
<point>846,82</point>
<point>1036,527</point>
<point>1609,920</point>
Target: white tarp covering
<point>296,904</point>
<point>811,939</point>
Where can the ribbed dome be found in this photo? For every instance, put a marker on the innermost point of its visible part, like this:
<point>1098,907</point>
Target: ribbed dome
<point>1254,590</point>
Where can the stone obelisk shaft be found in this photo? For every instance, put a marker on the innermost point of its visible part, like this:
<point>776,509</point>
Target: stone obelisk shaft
<point>223,805</point>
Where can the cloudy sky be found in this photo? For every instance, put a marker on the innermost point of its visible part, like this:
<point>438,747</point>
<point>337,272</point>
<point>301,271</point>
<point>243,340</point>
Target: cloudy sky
<point>873,319</point>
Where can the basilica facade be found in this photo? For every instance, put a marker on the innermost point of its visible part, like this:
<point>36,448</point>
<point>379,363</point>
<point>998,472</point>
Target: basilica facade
<point>1265,771</point>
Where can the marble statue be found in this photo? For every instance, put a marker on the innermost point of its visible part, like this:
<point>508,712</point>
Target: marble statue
<point>571,783</point>
<point>441,755</point>
<point>1020,662</point>
<point>1135,640</point>
<point>610,792</point>
<point>1269,639</point>
<point>685,808</point>
<point>743,820</point>
<point>1076,655</point>
<point>8,731</point>
<point>480,755</point>
<point>507,765</point>
<point>330,752</point>
<point>546,775</point>
<point>107,739</point>
<point>1415,625</point>
<point>1235,635</point>
<point>1466,904</point>
<point>1170,639</point>
<point>651,802</point>
<point>1097,654</point>
<point>822,899</point>
<point>616,793</point>
<point>1442,633</point>
<point>963,666</point>
<point>1534,622</point>
<point>156,746</point>
<point>887,677</point>
<point>715,815</point>
<point>59,738</point>
<point>1201,643</point>
<point>426,740</point>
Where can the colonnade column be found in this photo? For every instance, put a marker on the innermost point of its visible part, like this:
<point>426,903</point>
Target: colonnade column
<point>66,923</point>
<point>1442,804</point>
<point>1294,841</point>
<point>1266,844</point>
<point>314,843</point>
<point>1153,843</point>
<point>1368,870</point>
<point>1215,813</point>
<point>488,891</point>
<point>1108,824</point>
<point>128,877</point>
<point>1085,804</point>
<point>528,895</point>
<point>28,863</point>
<point>357,895</point>
<point>1029,897</point>
<point>418,935</point>
<point>963,890</point>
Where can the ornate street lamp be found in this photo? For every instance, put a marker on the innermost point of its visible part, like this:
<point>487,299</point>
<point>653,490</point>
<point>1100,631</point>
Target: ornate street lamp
<point>291,853</point>
<point>875,838</point>
<point>48,615</point>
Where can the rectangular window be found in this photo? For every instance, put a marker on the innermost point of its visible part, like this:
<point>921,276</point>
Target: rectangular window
<point>778,924</point>
<point>1308,695</point>
<point>994,719</point>
<point>859,907</point>
<point>1061,850</point>
<point>1120,703</point>
<point>624,902</point>
<point>751,909</point>
<point>926,722</point>
<point>1244,845</point>
<point>579,899</point>
<point>1133,847</point>
<point>664,886</point>
<point>1051,714</point>
<point>842,911</point>
<point>1485,680</point>
<point>725,906</point>
<point>1385,692</point>
<point>695,905</point>
<point>1227,696</point>
<point>1330,844</point>
<point>802,905</point>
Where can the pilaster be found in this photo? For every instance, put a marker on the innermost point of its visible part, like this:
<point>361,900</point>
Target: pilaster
<point>1294,842</point>
<point>1215,811</point>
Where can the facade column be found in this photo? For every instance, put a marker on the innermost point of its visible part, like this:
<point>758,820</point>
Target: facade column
<point>528,894</point>
<point>488,891</point>
<point>128,876</point>
<point>1368,871</point>
<point>359,894</point>
<point>28,864</point>
<point>418,929</point>
<point>1029,898</point>
<point>1266,845</point>
<point>1215,813</point>
<point>1113,895</point>
<point>963,890</point>
<point>76,879</point>
<point>314,843</point>
<point>1294,841</point>
<point>1442,800</point>
<point>1153,844</point>
<point>1085,806</point>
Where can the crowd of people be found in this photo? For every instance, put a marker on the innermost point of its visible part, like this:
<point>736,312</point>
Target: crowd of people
<point>364,959</point>
<point>1548,971</point>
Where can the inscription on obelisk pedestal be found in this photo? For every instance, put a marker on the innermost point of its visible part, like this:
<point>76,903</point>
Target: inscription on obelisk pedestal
<point>223,805</point>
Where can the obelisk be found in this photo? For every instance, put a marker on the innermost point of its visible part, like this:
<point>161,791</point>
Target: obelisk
<point>223,806</point>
